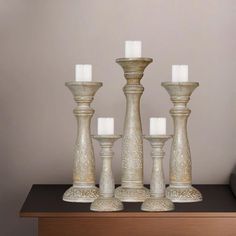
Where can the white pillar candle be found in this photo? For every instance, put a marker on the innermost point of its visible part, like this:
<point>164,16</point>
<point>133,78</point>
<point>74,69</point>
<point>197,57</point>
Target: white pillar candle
<point>133,49</point>
<point>179,73</point>
<point>83,72</point>
<point>105,126</point>
<point>157,126</point>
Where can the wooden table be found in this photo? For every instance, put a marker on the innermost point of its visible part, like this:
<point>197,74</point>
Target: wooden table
<point>216,215</point>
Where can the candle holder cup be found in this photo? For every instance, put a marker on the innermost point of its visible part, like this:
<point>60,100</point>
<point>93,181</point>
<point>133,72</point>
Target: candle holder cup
<point>83,189</point>
<point>180,188</point>
<point>157,200</point>
<point>106,200</point>
<point>132,189</point>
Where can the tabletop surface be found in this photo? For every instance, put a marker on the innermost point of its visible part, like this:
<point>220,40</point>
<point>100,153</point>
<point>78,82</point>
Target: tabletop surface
<point>45,199</point>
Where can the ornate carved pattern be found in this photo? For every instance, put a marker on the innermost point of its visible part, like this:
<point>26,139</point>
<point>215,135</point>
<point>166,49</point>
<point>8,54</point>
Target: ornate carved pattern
<point>107,204</point>
<point>157,204</point>
<point>180,166</point>
<point>183,194</point>
<point>134,194</point>
<point>84,164</point>
<point>77,194</point>
<point>132,154</point>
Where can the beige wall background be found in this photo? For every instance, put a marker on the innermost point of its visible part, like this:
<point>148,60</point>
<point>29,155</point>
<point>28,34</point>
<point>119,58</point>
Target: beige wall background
<point>41,41</point>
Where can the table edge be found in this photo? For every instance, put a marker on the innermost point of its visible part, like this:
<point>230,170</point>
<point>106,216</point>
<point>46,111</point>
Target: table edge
<point>128,214</point>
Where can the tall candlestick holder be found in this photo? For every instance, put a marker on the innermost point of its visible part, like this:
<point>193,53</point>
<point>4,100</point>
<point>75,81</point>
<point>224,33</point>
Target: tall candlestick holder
<point>83,189</point>
<point>132,189</point>
<point>180,188</point>
<point>157,201</point>
<point>106,200</point>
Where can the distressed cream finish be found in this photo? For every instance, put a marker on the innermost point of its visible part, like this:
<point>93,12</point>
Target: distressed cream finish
<point>180,189</point>
<point>131,189</point>
<point>83,189</point>
<point>157,200</point>
<point>106,200</point>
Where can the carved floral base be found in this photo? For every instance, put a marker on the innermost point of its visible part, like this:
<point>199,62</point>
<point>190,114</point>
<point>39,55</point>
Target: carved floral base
<point>79,194</point>
<point>157,204</point>
<point>132,194</point>
<point>183,194</point>
<point>106,204</point>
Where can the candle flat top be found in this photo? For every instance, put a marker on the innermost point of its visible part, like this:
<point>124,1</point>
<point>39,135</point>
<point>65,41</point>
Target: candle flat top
<point>83,83</point>
<point>102,136</point>
<point>179,83</point>
<point>158,136</point>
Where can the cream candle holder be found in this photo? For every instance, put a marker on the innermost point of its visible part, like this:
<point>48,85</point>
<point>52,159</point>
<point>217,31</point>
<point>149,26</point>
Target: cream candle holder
<point>180,188</point>
<point>106,200</point>
<point>83,189</point>
<point>132,189</point>
<point>157,201</point>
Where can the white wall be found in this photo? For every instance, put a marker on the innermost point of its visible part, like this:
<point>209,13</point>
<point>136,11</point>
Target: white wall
<point>41,41</point>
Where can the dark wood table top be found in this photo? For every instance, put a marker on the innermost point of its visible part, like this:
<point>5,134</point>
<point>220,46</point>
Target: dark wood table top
<point>46,201</point>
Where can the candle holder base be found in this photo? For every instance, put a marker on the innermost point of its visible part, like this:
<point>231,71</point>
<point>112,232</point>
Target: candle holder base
<point>81,194</point>
<point>106,204</point>
<point>132,194</point>
<point>157,204</point>
<point>183,194</point>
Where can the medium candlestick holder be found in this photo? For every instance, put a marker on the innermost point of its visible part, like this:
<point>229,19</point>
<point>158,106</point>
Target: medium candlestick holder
<point>157,201</point>
<point>83,189</point>
<point>106,200</point>
<point>132,189</point>
<point>180,188</point>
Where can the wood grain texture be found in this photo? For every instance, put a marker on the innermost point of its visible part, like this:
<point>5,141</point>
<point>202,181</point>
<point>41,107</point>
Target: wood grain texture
<point>137,226</point>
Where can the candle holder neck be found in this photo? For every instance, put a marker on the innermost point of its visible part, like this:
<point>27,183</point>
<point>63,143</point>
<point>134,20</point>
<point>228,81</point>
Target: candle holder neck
<point>180,92</point>
<point>83,89</point>
<point>106,142</point>
<point>83,101</point>
<point>133,68</point>
<point>157,143</point>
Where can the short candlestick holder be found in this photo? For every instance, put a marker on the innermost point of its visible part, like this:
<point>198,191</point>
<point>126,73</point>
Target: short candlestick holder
<point>132,189</point>
<point>180,188</point>
<point>83,189</point>
<point>106,200</point>
<point>157,201</point>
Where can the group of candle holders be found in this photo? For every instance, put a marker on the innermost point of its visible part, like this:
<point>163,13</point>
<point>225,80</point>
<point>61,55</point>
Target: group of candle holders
<point>106,197</point>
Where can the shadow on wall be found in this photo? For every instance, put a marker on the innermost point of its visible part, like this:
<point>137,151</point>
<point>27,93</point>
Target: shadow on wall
<point>232,180</point>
